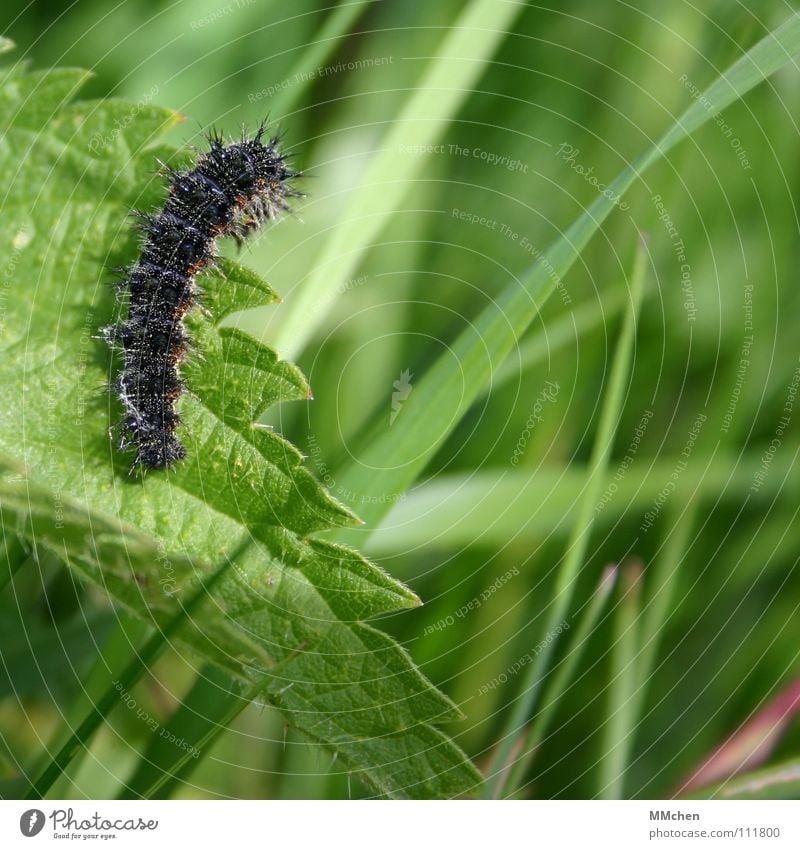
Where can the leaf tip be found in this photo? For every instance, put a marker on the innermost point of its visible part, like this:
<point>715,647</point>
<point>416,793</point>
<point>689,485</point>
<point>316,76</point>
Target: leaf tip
<point>174,118</point>
<point>609,577</point>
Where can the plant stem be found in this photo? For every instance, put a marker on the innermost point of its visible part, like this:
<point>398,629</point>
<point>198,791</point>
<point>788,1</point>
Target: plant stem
<point>661,592</point>
<point>571,564</point>
<point>621,722</point>
<point>562,675</point>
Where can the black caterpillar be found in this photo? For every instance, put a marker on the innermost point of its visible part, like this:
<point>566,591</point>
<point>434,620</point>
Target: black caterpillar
<point>231,191</point>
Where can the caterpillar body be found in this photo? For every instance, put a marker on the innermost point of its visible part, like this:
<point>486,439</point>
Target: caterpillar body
<point>232,190</point>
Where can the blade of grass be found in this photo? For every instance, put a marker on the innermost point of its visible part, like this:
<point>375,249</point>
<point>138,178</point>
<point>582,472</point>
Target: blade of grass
<point>566,578</point>
<point>336,25</point>
<point>621,723</point>
<point>661,593</point>
<point>206,706</point>
<point>158,779</point>
<point>445,85</point>
<point>164,784</point>
<point>781,781</point>
<point>451,511</point>
<point>538,347</point>
<point>392,459</point>
<point>137,666</point>
<point>749,745</point>
<point>114,655</point>
<point>561,678</point>
<point>541,346</point>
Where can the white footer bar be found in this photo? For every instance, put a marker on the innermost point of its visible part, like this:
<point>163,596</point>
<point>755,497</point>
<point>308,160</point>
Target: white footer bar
<point>402,825</point>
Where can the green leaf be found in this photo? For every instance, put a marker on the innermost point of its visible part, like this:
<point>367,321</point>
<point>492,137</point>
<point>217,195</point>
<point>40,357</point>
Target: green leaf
<point>287,612</point>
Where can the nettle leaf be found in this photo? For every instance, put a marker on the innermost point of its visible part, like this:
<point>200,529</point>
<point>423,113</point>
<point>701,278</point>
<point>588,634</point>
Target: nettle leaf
<point>289,607</point>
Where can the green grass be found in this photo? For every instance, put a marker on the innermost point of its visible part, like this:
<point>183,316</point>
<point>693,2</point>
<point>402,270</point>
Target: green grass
<point>578,543</point>
<point>381,275</point>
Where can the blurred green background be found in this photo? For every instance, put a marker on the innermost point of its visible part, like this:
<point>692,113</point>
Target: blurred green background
<point>604,78</point>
